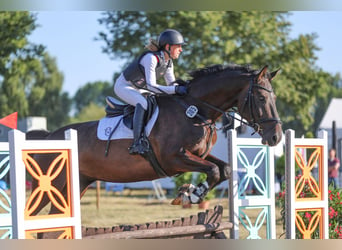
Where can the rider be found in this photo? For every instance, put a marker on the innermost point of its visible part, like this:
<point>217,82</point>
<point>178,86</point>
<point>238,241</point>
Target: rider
<point>144,72</point>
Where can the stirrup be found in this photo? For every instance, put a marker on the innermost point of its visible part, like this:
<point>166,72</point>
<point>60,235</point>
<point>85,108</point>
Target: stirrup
<point>141,146</point>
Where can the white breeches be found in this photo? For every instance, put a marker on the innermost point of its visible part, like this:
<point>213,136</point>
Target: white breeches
<point>128,93</point>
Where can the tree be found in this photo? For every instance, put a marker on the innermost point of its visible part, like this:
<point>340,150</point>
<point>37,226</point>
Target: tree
<point>95,93</point>
<point>257,38</point>
<point>45,97</point>
<point>30,82</point>
<point>90,112</point>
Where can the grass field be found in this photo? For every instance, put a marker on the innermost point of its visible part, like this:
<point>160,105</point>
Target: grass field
<point>137,207</point>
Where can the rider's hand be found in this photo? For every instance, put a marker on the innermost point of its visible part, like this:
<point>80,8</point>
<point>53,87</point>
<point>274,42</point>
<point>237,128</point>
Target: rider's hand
<point>181,82</point>
<point>181,90</point>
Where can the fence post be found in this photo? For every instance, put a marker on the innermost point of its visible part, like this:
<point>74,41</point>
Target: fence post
<point>305,154</point>
<point>5,207</point>
<point>68,221</point>
<point>255,163</point>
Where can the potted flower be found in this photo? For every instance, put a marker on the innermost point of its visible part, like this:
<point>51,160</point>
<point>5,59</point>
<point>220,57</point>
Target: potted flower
<point>334,212</point>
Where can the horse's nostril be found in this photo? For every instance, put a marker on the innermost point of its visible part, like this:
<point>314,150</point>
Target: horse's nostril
<point>275,139</point>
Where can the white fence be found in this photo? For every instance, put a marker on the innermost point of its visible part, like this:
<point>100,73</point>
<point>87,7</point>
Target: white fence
<point>24,223</point>
<point>251,187</point>
<point>5,200</point>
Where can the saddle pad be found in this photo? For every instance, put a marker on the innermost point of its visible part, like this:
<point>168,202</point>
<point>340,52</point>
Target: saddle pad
<point>107,124</point>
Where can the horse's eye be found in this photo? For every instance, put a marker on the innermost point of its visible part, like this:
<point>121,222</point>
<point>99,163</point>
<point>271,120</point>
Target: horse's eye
<point>262,98</point>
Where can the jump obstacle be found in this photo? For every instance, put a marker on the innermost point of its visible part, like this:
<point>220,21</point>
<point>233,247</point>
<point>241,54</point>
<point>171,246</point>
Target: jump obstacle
<point>304,193</point>
<point>5,205</point>
<point>24,224</point>
<point>204,225</point>
<point>309,155</point>
<point>257,171</point>
<point>252,165</point>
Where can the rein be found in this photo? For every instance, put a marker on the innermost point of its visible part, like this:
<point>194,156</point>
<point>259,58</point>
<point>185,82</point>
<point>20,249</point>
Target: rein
<point>249,101</point>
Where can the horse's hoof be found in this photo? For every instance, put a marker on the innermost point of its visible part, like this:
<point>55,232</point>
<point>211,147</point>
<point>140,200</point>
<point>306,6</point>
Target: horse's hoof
<point>184,188</point>
<point>183,195</point>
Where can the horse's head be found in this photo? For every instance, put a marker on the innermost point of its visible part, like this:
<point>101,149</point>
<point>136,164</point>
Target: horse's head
<point>257,106</point>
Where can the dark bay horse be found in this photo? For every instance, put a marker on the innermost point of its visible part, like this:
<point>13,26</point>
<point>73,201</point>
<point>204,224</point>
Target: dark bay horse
<point>182,144</point>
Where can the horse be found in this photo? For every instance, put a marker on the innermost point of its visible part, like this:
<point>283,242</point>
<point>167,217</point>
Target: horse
<point>181,140</point>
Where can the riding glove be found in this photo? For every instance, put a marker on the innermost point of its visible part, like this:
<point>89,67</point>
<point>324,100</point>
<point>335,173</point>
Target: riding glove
<point>181,82</point>
<point>181,90</point>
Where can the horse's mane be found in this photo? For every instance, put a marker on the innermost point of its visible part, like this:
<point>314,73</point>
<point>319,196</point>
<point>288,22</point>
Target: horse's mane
<point>219,68</point>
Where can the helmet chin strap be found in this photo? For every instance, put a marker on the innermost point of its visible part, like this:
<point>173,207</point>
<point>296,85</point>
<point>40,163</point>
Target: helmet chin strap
<point>168,52</point>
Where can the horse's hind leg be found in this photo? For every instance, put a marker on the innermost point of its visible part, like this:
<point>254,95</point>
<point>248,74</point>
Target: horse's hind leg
<point>59,184</point>
<point>43,202</point>
<point>53,210</point>
<point>84,183</point>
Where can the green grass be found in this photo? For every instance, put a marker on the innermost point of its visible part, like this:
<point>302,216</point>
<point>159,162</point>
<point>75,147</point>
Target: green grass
<point>137,207</point>
<point>133,208</point>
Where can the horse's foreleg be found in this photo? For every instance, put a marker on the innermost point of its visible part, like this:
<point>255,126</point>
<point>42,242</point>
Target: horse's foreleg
<point>225,168</point>
<point>193,163</point>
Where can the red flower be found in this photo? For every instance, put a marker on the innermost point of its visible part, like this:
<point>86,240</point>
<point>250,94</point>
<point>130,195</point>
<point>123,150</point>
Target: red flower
<point>332,213</point>
<point>331,197</point>
<point>308,215</point>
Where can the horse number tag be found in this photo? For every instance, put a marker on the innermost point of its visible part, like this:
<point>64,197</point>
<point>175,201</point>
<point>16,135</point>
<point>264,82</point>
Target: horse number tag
<point>191,111</point>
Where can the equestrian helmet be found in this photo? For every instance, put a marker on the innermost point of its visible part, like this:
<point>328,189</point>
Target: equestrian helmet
<point>170,36</point>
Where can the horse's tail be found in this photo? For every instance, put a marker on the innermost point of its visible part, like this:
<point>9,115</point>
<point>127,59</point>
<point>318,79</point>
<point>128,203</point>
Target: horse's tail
<point>37,134</point>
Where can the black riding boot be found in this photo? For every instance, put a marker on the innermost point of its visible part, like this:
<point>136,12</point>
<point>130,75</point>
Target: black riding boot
<point>139,145</point>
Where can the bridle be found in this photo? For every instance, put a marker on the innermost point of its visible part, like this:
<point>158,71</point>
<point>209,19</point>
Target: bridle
<point>250,102</point>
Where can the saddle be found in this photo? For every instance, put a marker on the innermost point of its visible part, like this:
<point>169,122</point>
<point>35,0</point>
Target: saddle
<point>116,108</point>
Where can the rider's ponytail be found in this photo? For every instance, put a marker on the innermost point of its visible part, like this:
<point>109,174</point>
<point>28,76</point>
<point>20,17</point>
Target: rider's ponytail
<point>152,45</point>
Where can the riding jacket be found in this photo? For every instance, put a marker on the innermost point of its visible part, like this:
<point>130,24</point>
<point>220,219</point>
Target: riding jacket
<point>148,68</point>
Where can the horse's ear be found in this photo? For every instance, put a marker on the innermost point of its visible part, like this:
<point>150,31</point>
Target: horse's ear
<point>262,73</point>
<point>274,73</point>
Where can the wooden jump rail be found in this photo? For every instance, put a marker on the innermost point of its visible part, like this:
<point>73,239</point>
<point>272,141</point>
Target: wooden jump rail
<point>204,225</point>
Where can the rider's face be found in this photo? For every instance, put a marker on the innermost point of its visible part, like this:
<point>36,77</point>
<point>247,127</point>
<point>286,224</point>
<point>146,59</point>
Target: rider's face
<point>175,51</point>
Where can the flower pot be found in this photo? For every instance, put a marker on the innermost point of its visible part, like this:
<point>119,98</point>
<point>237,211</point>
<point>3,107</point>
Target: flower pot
<point>186,205</point>
<point>204,205</point>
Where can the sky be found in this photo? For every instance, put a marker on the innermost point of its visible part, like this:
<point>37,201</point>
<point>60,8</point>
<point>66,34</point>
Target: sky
<point>69,37</point>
